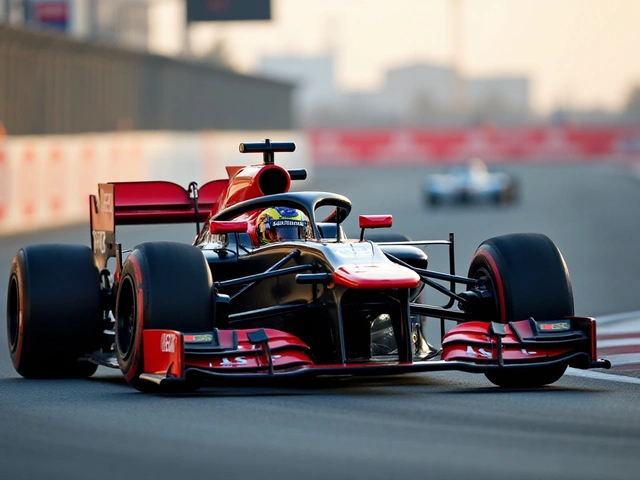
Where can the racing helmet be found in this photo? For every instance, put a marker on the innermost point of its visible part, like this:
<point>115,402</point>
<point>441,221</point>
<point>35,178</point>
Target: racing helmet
<point>276,224</point>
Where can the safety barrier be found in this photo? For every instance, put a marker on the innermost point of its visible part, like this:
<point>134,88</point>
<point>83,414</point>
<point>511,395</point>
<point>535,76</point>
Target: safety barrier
<point>45,181</point>
<point>414,146</point>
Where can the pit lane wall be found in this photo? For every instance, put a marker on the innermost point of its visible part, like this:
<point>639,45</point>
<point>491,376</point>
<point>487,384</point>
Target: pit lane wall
<point>45,181</point>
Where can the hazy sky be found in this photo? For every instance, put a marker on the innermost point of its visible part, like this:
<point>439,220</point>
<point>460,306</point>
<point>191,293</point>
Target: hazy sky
<point>581,53</point>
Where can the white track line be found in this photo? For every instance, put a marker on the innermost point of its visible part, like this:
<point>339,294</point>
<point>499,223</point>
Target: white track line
<point>621,359</point>
<point>619,342</point>
<point>602,376</point>
<point>631,321</point>
<point>629,326</point>
<point>618,317</point>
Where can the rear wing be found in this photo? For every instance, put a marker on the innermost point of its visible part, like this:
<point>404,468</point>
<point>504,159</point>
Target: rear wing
<point>146,203</point>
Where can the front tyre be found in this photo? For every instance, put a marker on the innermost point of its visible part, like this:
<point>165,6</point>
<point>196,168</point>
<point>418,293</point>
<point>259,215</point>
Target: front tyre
<point>165,286</point>
<point>54,314</point>
<point>527,378</point>
<point>529,278</point>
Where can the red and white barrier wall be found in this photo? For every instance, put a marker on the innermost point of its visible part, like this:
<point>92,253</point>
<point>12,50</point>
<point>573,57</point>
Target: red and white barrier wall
<point>406,146</point>
<point>45,181</point>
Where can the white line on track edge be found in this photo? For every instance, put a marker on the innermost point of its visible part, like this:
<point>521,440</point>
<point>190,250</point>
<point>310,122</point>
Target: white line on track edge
<point>617,317</point>
<point>575,372</point>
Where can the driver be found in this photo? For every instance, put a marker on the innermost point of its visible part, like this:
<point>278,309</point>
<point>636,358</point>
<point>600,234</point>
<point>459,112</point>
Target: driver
<point>282,223</point>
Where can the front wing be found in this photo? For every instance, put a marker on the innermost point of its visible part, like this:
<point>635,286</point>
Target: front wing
<point>171,357</point>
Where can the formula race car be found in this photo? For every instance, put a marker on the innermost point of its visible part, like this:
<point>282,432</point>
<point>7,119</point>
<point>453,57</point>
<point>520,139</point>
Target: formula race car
<point>472,182</point>
<point>271,290</point>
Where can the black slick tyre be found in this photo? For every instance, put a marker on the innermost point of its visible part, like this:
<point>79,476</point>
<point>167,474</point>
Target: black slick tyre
<point>54,315</point>
<point>163,285</point>
<point>529,278</point>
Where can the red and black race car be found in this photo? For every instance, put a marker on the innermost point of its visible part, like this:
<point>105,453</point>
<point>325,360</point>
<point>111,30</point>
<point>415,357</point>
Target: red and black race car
<point>269,290</point>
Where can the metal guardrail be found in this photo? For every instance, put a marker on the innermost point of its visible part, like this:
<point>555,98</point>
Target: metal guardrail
<point>52,84</point>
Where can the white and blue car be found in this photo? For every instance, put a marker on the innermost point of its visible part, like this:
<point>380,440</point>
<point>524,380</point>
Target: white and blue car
<point>472,182</point>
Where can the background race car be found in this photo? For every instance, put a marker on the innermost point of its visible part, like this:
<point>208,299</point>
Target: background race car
<point>472,182</point>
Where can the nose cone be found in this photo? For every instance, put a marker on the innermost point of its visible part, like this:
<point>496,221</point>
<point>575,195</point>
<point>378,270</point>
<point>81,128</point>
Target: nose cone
<point>376,276</point>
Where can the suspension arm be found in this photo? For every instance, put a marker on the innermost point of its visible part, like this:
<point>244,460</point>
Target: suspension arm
<point>436,275</point>
<point>265,275</point>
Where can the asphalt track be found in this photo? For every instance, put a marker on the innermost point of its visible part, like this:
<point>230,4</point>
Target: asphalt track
<point>451,425</point>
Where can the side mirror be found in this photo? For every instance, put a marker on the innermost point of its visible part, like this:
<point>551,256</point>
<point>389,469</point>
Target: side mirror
<point>218,227</point>
<point>374,221</point>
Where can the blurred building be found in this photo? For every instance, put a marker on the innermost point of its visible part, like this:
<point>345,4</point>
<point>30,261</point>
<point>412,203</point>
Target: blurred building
<point>504,98</point>
<point>418,89</point>
<point>418,94</point>
<point>123,23</point>
<point>119,22</point>
<point>313,78</point>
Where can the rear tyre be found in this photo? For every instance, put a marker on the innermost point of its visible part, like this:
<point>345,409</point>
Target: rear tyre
<point>54,315</point>
<point>163,285</point>
<point>529,278</point>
